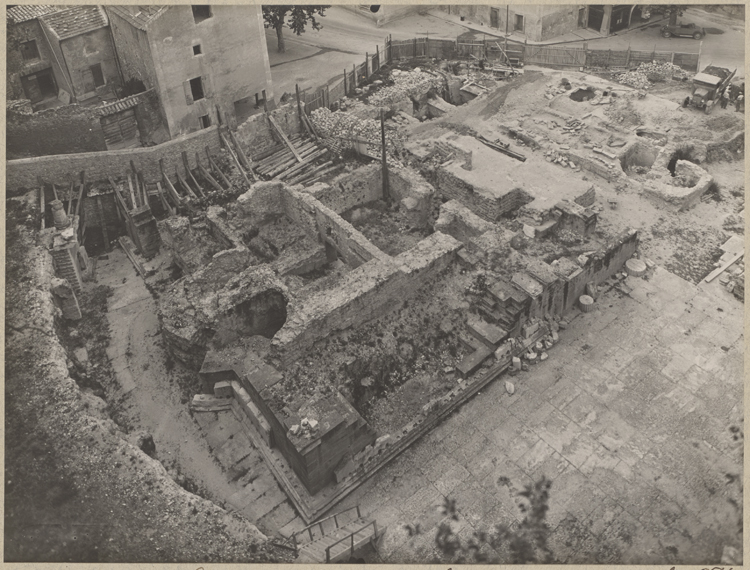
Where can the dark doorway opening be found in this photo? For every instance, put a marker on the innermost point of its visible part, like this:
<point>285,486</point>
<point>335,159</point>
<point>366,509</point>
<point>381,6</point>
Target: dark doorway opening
<point>581,95</point>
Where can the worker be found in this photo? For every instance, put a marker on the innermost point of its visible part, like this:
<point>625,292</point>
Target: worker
<point>724,98</point>
<point>739,103</point>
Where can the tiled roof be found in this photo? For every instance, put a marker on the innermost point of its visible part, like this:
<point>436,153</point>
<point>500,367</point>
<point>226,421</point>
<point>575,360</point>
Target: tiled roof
<point>75,21</point>
<point>19,14</point>
<point>140,17</point>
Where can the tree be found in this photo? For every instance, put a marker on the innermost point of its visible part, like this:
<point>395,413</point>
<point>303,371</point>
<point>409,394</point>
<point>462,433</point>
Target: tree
<point>299,16</point>
<point>525,544</point>
<point>672,10</point>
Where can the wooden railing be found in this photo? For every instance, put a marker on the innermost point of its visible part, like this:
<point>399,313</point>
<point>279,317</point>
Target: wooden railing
<point>319,524</point>
<point>374,525</point>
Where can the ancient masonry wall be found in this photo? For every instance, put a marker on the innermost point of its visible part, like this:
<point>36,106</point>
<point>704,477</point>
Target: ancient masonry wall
<point>600,266</point>
<point>256,134</point>
<point>363,294</point>
<point>60,169</point>
<point>490,209</point>
<point>459,222</point>
<point>350,190</point>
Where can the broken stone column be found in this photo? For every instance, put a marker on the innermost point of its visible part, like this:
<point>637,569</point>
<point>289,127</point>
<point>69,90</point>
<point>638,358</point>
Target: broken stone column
<point>58,215</point>
<point>65,294</point>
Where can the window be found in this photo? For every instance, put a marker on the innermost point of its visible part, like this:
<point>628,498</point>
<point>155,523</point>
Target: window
<point>205,121</point>
<point>196,88</point>
<point>197,50</point>
<point>519,23</point>
<point>96,72</point>
<point>29,50</point>
<point>201,13</point>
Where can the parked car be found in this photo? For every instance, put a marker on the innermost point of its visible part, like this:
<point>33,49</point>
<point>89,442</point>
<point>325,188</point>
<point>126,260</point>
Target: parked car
<point>683,31</point>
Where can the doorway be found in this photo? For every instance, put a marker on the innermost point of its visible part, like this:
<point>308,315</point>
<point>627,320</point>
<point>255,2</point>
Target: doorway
<point>494,17</point>
<point>40,85</point>
<point>582,17</point>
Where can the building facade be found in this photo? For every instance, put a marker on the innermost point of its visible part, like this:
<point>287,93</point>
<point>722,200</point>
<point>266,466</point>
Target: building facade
<point>537,23</point>
<point>207,64</point>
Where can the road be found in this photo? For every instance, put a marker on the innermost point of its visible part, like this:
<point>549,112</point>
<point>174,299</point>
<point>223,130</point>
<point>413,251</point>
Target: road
<point>314,57</point>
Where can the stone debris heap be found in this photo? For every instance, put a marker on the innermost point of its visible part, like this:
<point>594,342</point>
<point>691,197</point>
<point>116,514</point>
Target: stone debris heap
<point>413,84</point>
<point>648,73</point>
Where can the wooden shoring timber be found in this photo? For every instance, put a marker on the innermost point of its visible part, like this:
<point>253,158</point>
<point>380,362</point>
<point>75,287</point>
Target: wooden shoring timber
<point>284,137</point>
<point>216,169</point>
<point>207,176</point>
<point>80,192</point>
<point>279,148</point>
<point>240,153</point>
<point>70,197</point>
<point>285,157</point>
<point>54,191</point>
<point>295,170</point>
<point>261,156</point>
<point>189,174</point>
<point>185,185</point>
<point>172,191</point>
<point>163,197</point>
<point>308,173</point>
<point>142,184</point>
<point>292,162</point>
<point>123,241</point>
<point>301,112</point>
<point>319,175</point>
<point>134,202</point>
<point>235,159</point>
<point>105,234</point>
<point>42,205</point>
<point>306,119</point>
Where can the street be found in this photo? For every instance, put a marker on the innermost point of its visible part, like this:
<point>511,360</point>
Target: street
<point>316,56</point>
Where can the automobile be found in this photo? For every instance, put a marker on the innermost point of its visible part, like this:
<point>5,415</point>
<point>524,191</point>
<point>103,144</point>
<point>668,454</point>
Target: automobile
<point>683,31</point>
<point>707,88</point>
<point>646,14</point>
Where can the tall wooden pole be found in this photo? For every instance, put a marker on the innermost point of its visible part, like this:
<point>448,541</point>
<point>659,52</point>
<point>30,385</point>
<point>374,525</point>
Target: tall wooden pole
<point>386,191</point>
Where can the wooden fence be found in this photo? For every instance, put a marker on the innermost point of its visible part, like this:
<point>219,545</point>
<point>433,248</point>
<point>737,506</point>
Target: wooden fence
<point>494,50</point>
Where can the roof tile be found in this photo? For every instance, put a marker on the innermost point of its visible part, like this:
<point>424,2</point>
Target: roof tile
<point>75,21</point>
<point>19,14</point>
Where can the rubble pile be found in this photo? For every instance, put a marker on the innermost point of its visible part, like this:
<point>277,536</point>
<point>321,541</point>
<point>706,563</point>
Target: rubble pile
<point>648,73</point>
<point>412,84</point>
<point>350,129</point>
<point>558,158</point>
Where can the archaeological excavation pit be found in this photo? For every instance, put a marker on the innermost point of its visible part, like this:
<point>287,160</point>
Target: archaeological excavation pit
<point>581,94</point>
<point>638,159</point>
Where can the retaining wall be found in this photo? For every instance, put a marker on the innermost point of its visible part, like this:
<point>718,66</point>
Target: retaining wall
<point>60,169</point>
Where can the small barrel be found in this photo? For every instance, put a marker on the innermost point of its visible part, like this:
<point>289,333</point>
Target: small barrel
<point>635,267</point>
<point>586,303</point>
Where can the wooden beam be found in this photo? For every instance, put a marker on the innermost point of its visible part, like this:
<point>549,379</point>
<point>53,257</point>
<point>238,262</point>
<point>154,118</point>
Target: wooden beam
<point>119,200</point>
<point>54,191</point>
<point>142,184</point>
<point>236,160</point>
<point>123,241</point>
<point>211,180</point>
<point>132,194</point>
<point>216,169</point>
<point>189,176</point>
<point>185,185</point>
<point>80,198</point>
<point>240,153</point>
<point>164,202</point>
<point>171,191</point>
<point>718,271</point>
<point>284,138</point>
<point>70,197</point>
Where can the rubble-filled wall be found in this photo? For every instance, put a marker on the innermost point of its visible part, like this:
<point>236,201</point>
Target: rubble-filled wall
<point>59,169</point>
<point>364,293</point>
<point>413,194</point>
<point>351,189</point>
<point>257,135</point>
<point>458,221</point>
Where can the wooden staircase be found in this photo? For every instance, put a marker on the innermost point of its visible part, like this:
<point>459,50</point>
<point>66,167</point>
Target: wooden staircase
<point>336,538</point>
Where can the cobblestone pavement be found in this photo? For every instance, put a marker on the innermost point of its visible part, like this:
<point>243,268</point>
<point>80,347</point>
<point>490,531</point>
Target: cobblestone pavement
<point>629,417</point>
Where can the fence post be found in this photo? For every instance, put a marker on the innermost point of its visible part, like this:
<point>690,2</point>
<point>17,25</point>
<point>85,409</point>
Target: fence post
<point>672,60</point>
<point>354,69</point>
<point>698,64</point>
<point>627,57</point>
<point>367,71</point>
<point>415,47</point>
<point>346,91</point>
<point>377,54</point>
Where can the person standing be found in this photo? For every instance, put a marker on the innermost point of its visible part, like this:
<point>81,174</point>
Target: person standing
<point>724,98</point>
<point>739,103</point>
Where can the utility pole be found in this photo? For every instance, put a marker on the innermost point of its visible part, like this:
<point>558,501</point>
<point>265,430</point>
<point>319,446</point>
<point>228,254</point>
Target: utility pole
<point>507,15</point>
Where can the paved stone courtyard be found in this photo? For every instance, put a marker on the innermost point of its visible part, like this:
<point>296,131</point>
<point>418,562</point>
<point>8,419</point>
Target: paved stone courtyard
<point>629,417</point>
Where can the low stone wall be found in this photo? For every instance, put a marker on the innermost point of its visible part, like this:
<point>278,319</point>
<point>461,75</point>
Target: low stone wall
<point>350,190</point>
<point>490,209</point>
<point>676,197</point>
<point>459,222</point>
<point>412,192</point>
<point>256,134</point>
<point>60,169</point>
<point>363,294</point>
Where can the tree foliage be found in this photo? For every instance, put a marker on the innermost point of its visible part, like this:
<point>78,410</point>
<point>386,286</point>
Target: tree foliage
<point>526,543</point>
<point>298,18</point>
<point>671,10</point>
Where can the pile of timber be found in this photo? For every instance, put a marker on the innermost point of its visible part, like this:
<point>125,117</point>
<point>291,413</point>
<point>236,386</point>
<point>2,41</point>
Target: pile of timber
<point>298,160</point>
<point>501,147</point>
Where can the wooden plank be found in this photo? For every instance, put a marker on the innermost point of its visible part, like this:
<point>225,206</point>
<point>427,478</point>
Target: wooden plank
<point>295,170</point>
<point>171,191</point>
<point>718,271</point>
<point>70,197</point>
<point>301,177</point>
<point>216,169</point>
<point>282,167</point>
<point>236,160</point>
<point>54,191</point>
<point>142,184</point>
<point>240,153</point>
<point>123,241</point>
<point>80,192</point>
<point>286,158</point>
<point>284,138</point>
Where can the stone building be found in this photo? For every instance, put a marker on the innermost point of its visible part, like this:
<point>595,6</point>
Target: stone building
<point>206,63</point>
<point>537,22</point>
